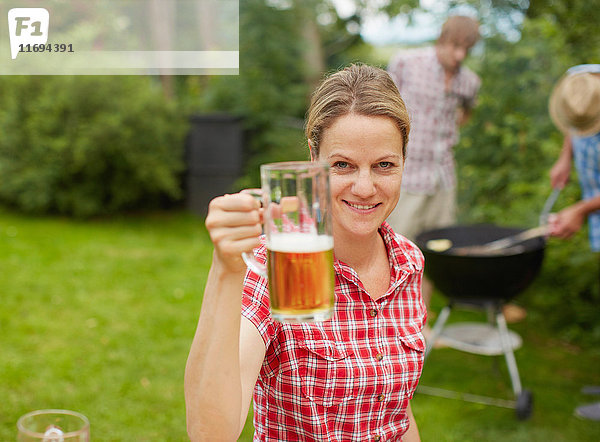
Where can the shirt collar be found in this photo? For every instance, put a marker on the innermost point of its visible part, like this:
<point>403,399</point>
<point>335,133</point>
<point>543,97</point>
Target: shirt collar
<point>402,261</point>
<point>400,251</point>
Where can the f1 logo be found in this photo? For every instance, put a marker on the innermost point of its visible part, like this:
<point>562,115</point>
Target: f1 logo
<point>27,26</point>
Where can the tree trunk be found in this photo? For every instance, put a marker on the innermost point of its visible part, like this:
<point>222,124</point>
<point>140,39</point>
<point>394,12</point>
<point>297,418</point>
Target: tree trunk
<point>162,18</point>
<point>314,57</point>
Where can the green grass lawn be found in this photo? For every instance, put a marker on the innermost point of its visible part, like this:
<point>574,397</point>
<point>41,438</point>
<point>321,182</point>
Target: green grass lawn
<point>98,317</point>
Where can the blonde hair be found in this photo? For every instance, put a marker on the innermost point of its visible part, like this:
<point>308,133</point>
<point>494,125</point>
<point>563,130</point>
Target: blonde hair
<point>460,29</point>
<point>360,89</point>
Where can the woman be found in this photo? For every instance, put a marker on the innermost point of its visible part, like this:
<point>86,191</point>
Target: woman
<point>351,377</point>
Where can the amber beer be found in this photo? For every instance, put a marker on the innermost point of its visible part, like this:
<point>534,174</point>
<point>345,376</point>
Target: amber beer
<point>301,277</point>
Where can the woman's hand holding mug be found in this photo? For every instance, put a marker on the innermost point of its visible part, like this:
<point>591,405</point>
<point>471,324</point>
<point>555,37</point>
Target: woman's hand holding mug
<point>234,223</point>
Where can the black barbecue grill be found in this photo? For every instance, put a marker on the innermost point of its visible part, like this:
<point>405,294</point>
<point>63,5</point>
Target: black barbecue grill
<point>486,281</point>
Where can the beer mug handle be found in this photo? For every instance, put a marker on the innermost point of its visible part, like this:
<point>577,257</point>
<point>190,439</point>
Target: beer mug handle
<point>249,259</point>
<point>254,265</point>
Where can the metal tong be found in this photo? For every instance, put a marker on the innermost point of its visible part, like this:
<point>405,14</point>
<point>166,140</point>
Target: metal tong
<point>513,240</point>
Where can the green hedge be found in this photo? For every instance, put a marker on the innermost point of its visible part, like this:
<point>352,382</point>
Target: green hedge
<point>85,146</point>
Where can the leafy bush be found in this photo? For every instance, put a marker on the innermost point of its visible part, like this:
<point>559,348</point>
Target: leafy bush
<point>87,145</point>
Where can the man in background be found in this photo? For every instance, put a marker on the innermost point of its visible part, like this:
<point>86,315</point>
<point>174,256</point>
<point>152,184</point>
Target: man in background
<point>439,93</point>
<point>575,109</point>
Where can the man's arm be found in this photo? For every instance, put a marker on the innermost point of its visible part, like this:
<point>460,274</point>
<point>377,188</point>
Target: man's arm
<point>559,174</point>
<point>568,221</point>
<point>463,115</point>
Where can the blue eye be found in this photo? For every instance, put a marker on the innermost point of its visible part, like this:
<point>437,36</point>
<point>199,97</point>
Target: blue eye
<point>340,165</point>
<point>385,164</point>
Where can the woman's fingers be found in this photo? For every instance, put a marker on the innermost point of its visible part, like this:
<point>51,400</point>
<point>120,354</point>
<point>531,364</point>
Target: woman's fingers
<point>238,218</point>
<point>232,211</point>
<point>234,225</point>
<point>235,202</point>
<point>286,205</point>
<point>222,235</point>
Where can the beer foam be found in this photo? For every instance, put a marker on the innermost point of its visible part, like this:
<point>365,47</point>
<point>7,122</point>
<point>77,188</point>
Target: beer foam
<point>299,243</point>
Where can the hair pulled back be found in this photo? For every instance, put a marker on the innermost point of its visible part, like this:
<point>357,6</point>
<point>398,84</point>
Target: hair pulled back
<point>358,89</point>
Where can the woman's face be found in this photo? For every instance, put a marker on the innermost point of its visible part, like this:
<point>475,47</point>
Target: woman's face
<point>365,159</point>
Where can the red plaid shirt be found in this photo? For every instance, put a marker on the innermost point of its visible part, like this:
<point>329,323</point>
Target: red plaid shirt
<point>433,128</point>
<point>349,378</point>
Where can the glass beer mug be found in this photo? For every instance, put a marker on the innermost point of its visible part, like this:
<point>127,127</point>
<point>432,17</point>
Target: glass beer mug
<point>53,426</point>
<point>299,241</point>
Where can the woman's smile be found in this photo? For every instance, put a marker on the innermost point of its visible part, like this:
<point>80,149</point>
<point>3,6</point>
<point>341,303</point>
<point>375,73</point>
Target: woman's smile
<point>362,207</point>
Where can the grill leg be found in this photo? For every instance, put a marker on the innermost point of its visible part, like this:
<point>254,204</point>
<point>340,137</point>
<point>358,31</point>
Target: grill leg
<point>508,353</point>
<point>491,310</point>
<point>437,328</point>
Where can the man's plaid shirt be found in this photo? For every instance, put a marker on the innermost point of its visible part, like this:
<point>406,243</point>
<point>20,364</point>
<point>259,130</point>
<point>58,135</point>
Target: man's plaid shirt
<point>433,124</point>
<point>349,378</point>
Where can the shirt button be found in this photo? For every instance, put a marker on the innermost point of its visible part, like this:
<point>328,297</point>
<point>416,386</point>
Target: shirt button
<point>376,437</point>
<point>380,397</point>
<point>379,356</point>
<point>373,313</point>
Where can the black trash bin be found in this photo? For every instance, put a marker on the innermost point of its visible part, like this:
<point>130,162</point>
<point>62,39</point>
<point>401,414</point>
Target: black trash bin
<point>214,158</point>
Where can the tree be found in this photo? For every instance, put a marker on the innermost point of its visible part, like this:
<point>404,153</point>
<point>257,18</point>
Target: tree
<point>577,20</point>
